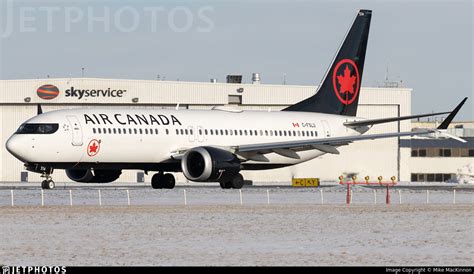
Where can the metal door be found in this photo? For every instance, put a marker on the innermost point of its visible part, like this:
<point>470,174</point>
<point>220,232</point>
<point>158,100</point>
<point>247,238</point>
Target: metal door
<point>326,128</point>
<point>191,134</point>
<point>200,134</point>
<point>76,130</point>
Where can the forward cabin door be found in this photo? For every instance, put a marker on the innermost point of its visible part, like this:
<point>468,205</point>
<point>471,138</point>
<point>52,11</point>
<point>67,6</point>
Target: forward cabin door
<point>76,130</point>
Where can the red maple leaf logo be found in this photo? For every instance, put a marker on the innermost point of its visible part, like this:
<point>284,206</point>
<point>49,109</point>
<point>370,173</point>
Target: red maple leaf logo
<point>93,148</point>
<point>346,81</point>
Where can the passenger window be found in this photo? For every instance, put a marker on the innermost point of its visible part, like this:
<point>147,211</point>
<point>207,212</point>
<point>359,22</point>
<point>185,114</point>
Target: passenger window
<point>235,132</point>
<point>222,132</point>
<point>177,131</point>
<point>146,131</point>
<point>200,131</point>
<point>167,131</point>
<point>240,132</point>
<point>316,133</point>
<point>156,131</point>
<point>181,131</point>
<point>186,132</point>
<point>226,132</point>
<point>110,131</point>
<point>129,131</point>
<point>93,130</point>
<point>135,130</point>
<point>141,131</point>
<point>245,132</point>
<point>299,133</point>
<point>250,132</point>
<point>191,132</point>
<point>211,131</point>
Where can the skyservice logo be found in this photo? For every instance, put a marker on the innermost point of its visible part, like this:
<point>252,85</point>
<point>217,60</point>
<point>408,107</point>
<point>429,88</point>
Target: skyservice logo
<point>48,92</point>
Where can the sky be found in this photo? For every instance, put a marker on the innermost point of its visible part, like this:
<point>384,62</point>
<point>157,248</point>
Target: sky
<point>424,45</point>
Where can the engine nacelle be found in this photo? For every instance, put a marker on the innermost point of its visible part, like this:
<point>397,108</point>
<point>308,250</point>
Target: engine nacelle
<point>209,164</point>
<point>93,176</point>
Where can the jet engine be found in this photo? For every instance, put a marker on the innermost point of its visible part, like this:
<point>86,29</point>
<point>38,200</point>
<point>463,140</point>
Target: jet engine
<point>93,176</point>
<point>209,164</point>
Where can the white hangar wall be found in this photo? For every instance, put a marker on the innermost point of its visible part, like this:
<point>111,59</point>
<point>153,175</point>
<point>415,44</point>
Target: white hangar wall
<point>19,98</point>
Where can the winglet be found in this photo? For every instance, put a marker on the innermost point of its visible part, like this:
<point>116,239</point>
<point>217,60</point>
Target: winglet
<point>449,119</point>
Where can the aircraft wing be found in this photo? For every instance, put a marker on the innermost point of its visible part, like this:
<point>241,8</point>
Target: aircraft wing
<point>323,142</point>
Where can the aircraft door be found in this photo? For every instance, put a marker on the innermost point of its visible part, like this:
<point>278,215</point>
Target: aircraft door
<point>326,128</point>
<point>76,130</point>
<point>200,134</point>
<point>191,134</point>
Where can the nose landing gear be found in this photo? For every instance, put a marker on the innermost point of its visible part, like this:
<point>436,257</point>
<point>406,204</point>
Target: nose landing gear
<point>48,183</point>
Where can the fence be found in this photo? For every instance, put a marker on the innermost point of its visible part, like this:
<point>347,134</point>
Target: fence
<point>246,196</point>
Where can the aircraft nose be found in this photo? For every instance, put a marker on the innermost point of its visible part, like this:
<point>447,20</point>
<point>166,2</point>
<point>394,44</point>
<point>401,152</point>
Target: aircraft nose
<point>14,146</point>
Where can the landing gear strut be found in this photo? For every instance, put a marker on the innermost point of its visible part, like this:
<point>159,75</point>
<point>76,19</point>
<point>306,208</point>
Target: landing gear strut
<point>48,183</point>
<point>237,182</point>
<point>160,180</point>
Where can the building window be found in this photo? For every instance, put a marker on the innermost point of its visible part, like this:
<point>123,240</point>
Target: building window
<point>471,153</point>
<point>414,153</point>
<point>422,153</point>
<point>414,177</point>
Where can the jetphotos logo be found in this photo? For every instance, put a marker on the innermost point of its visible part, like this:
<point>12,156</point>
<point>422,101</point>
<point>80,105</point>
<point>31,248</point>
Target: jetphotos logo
<point>48,92</point>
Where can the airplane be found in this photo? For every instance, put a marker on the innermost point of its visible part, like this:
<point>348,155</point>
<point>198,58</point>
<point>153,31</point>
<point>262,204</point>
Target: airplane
<point>94,145</point>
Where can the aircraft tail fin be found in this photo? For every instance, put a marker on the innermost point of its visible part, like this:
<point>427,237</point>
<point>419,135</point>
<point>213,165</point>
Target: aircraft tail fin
<point>339,91</point>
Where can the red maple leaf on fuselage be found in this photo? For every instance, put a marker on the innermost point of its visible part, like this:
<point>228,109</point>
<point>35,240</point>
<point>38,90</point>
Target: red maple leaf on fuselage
<point>93,148</point>
<point>346,81</point>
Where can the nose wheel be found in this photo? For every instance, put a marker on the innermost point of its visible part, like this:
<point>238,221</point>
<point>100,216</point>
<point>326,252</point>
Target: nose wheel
<point>47,184</point>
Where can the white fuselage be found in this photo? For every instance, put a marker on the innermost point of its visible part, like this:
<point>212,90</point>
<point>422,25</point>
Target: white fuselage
<point>128,135</point>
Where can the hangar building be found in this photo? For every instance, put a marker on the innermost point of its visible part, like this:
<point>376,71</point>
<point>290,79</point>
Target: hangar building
<point>385,157</point>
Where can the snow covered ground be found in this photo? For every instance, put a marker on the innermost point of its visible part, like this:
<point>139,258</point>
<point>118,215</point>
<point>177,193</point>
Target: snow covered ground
<point>304,233</point>
<point>274,226</point>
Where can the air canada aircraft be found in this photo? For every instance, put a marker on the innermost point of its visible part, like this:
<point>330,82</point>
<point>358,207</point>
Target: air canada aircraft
<point>94,145</point>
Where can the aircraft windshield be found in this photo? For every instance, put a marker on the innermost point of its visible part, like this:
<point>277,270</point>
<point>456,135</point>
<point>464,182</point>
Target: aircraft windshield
<point>37,129</point>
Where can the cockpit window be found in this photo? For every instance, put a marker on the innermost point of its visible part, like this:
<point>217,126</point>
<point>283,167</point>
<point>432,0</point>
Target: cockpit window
<point>37,129</point>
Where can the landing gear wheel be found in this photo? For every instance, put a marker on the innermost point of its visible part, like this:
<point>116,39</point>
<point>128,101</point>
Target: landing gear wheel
<point>156,181</point>
<point>47,184</point>
<point>238,181</point>
<point>168,181</point>
<point>226,185</point>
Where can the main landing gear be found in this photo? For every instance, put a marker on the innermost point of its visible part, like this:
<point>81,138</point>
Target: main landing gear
<point>48,183</point>
<point>160,180</point>
<point>237,182</point>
